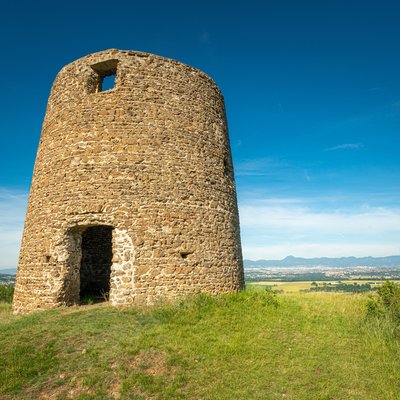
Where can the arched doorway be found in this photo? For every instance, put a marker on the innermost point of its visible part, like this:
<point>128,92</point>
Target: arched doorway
<point>96,261</point>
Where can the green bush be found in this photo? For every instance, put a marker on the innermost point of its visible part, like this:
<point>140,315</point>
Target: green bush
<point>386,304</point>
<point>6,293</point>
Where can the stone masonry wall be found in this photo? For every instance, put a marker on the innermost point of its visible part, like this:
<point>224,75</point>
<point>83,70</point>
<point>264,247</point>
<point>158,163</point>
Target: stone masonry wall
<point>150,159</point>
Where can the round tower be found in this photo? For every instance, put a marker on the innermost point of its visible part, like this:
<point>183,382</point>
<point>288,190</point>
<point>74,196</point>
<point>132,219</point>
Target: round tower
<point>133,195</point>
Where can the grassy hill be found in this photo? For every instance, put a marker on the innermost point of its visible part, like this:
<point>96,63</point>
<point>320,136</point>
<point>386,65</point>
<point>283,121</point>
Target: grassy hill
<point>252,345</point>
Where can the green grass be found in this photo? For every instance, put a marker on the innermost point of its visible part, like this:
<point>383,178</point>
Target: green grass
<point>244,346</point>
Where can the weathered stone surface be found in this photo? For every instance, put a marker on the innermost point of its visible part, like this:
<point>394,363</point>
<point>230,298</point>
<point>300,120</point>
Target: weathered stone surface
<point>149,158</point>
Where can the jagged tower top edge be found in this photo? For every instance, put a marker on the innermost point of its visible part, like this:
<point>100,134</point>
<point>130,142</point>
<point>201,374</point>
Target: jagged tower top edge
<point>115,53</point>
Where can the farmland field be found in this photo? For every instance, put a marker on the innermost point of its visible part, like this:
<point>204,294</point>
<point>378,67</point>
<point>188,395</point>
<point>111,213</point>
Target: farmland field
<point>296,287</point>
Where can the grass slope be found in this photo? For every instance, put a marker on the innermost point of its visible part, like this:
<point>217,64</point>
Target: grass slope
<point>243,346</point>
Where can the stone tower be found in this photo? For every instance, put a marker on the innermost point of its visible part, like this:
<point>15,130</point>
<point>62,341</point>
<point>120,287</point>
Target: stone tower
<point>133,195</point>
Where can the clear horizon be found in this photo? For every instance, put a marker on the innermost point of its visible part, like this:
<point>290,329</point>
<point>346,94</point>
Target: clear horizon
<point>312,94</point>
<point>3,268</point>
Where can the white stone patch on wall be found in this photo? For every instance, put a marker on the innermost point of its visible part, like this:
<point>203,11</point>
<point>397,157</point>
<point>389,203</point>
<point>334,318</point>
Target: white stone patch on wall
<point>66,252</point>
<point>122,285</point>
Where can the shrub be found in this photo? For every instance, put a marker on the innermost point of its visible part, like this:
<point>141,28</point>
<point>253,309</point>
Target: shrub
<point>386,304</point>
<point>6,293</point>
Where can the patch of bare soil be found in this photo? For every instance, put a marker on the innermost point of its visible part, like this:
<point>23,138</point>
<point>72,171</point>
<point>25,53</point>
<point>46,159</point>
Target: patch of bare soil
<point>151,361</point>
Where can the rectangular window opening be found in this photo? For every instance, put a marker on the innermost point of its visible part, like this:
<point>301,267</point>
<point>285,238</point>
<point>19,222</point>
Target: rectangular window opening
<point>107,83</point>
<point>106,74</point>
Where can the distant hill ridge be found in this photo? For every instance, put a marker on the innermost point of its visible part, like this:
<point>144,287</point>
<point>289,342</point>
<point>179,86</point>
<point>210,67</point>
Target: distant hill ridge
<point>8,271</point>
<point>291,261</point>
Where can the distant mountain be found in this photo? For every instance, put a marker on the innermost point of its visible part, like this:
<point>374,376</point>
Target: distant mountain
<point>8,271</point>
<point>290,261</point>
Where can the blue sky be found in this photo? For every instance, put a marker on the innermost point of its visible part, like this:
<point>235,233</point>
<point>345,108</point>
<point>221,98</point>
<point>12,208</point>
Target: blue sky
<point>312,91</point>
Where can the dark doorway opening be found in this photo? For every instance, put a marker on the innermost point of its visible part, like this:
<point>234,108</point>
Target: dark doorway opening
<point>95,269</point>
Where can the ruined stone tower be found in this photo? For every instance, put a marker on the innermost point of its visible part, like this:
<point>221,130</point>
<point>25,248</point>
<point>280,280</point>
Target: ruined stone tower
<point>133,191</point>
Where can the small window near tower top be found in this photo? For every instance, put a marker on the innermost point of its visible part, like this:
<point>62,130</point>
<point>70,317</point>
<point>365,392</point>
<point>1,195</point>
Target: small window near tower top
<point>107,83</point>
<point>106,74</point>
